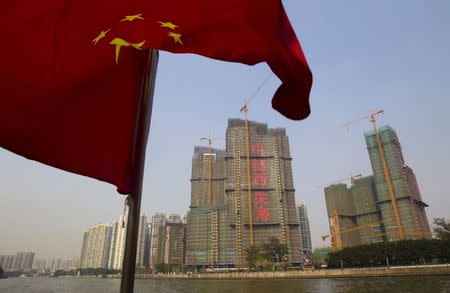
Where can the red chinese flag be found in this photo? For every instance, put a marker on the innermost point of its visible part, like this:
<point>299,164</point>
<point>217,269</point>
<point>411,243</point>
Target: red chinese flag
<point>71,71</point>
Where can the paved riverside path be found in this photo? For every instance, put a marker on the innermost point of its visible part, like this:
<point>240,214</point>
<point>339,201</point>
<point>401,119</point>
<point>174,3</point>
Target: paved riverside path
<point>422,270</point>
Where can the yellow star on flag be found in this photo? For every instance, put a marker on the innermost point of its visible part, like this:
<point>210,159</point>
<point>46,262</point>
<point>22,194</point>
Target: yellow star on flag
<point>132,17</point>
<point>100,36</point>
<point>118,42</point>
<point>168,24</point>
<point>176,37</point>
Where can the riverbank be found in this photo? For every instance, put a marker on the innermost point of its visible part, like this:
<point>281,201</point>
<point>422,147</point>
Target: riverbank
<point>400,271</point>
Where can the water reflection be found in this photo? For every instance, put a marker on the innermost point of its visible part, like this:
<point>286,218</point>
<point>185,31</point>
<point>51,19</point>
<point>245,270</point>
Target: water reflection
<point>91,285</point>
<point>395,284</point>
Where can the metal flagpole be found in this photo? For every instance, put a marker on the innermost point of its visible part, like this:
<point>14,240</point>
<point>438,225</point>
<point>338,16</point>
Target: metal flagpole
<point>134,199</point>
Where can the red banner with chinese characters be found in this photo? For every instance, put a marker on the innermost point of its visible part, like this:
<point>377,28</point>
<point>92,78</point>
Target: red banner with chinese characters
<point>261,198</point>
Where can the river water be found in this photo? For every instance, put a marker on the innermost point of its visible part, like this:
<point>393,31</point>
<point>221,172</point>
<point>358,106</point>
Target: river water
<point>430,284</point>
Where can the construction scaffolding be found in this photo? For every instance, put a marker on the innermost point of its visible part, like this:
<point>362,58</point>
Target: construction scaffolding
<point>384,207</point>
<point>270,185</point>
<point>411,208</point>
<point>247,188</point>
<point>207,205</point>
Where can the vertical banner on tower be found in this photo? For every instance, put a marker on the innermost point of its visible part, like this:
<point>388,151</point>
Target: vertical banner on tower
<point>259,175</point>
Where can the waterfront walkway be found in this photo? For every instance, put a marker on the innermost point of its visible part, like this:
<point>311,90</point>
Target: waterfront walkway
<point>420,270</point>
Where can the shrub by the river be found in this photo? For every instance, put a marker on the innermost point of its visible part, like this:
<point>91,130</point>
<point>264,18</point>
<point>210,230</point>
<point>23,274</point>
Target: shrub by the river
<point>406,252</point>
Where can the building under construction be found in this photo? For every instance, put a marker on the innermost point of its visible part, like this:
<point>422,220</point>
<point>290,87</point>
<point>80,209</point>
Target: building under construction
<point>207,205</point>
<point>368,211</point>
<point>353,213</point>
<point>241,196</point>
<point>167,240</point>
<point>412,221</point>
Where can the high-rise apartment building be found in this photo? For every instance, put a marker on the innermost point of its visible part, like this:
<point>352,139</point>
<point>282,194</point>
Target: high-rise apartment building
<point>364,213</point>
<point>118,238</point>
<point>355,212</point>
<point>207,204</point>
<point>168,240</point>
<point>174,243</point>
<point>118,243</point>
<point>237,203</point>
<point>23,260</point>
<point>53,263</point>
<point>304,230</point>
<point>20,261</point>
<point>142,245</point>
<point>272,200</point>
<point>114,239</point>
<point>158,222</point>
<point>7,262</point>
<point>149,244</point>
<point>96,246</point>
<point>411,208</point>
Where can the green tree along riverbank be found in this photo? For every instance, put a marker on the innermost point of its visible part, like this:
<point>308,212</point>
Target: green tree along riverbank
<point>267,256</point>
<point>441,228</point>
<point>406,252</point>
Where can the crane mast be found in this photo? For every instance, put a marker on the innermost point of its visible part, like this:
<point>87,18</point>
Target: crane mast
<point>210,141</point>
<point>247,147</point>
<point>372,119</point>
<point>249,181</point>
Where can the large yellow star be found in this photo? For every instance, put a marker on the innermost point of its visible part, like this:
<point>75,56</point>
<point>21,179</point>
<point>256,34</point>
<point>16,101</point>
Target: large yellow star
<point>132,17</point>
<point>176,37</point>
<point>118,42</point>
<point>100,36</point>
<point>168,24</point>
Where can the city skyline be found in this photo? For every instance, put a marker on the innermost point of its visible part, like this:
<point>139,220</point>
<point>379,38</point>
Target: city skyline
<point>399,64</point>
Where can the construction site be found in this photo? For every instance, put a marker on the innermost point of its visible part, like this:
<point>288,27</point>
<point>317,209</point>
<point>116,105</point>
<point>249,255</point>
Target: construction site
<point>385,206</point>
<point>241,196</point>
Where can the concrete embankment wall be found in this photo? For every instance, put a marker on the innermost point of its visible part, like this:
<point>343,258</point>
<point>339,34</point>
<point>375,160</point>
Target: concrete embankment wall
<point>328,273</point>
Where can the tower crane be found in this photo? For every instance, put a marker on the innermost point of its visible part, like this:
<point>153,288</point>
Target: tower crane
<point>214,244</point>
<point>336,232</point>
<point>210,154</point>
<point>351,178</point>
<point>372,118</point>
<point>247,148</point>
<point>336,240</point>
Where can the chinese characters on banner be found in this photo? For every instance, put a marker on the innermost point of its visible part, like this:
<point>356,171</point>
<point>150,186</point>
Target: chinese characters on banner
<point>261,203</point>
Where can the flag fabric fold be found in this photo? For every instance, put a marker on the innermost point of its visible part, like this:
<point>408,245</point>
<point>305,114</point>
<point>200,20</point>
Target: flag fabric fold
<point>71,71</point>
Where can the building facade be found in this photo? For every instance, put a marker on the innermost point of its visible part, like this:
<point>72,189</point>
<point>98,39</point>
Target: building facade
<point>53,263</point>
<point>168,240</point>
<point>119,230</point>
<point>304,230</point>
<point>103,245</point>
<point>118,238</point>
<point>207,203</point>
<point>236,203</point>
<point>411,208</point>
<point>142,256</point>
<point>268,206</point>
<point>20,261</point>
<point>95,247</point>
<point>364,213</point>
<point>7,261</point>
<point>355,213</point>
<point>158,222</point>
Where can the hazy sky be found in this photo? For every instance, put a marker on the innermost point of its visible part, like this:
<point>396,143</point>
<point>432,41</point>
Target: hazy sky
<point>365,55</point>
